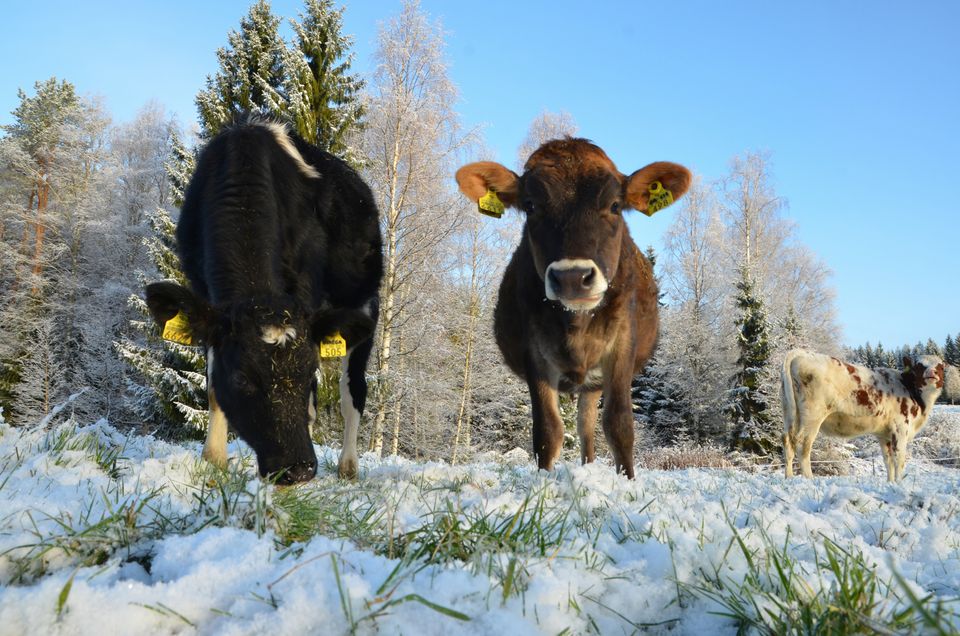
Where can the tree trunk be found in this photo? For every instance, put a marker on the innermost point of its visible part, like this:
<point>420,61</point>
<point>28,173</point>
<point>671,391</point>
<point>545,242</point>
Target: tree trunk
<point>43,197</point>
<point>387,301</point>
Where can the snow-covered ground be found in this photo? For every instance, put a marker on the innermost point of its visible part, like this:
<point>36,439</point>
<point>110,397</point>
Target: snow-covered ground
<point>101,533</point>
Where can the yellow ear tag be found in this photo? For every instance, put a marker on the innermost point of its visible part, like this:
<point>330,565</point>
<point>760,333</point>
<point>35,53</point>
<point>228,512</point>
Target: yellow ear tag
<point>333,346</point>
<point>660,198</point>
<point>491,205</point>
<point>177,329</point>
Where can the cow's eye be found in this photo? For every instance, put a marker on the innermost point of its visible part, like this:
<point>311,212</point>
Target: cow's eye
<point>528,206</point>
<point>615,207</point>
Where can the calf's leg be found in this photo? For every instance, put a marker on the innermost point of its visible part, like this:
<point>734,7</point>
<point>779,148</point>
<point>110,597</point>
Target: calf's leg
<point>215,445</point>
<point>789,450</point>
<point>618,412</point>
<point>547,422</point>
<point>809,428</point>
<point>587,423</point>
<point>353,399</point>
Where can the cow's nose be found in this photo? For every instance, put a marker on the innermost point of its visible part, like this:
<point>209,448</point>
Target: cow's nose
<point>573,281</point>
<point>304,471</point>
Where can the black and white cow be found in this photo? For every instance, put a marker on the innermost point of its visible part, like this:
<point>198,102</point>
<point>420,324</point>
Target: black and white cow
<point>281,244</point>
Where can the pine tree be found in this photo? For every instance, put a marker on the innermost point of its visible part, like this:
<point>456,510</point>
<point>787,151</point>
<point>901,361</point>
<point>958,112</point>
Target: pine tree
<point>951,351</point>
<point>323,98</point>
<point>251,75</point>
<point>172,390</point>
<point>752,429</point>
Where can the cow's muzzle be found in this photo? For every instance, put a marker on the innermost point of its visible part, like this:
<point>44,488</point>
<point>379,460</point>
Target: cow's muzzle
<point>577,283</point>
<point>294,474</point>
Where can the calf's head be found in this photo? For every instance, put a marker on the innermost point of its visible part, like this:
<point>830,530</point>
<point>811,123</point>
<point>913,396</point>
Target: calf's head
<point>574,197</point>
<point>925,374</point>
<point>261,362</point>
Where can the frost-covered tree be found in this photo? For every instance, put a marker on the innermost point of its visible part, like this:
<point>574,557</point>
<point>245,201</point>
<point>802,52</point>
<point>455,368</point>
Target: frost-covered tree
<point>169,388</point>
<point>251,74</point>
<point>410,142</point>
<point>951,350</point>
<point>58,176</point>
<point>323,97</point>
<point>749,399</point>
<point>693,350</point>
<point>543,128</point>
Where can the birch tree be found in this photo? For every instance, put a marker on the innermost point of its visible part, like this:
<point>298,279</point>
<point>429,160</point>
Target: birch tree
<point>695,356</point>
<point>411,140</point>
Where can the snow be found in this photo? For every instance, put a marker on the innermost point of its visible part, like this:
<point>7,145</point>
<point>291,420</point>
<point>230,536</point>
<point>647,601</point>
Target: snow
<point>172,554</point>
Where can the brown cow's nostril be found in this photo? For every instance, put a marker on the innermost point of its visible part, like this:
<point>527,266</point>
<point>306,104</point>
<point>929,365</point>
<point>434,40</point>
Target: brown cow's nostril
<point>554,280</point>
<point>589,278</point>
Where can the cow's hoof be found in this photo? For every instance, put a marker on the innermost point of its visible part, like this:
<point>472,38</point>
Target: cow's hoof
<point>348,468</point>
<point>218,460</point>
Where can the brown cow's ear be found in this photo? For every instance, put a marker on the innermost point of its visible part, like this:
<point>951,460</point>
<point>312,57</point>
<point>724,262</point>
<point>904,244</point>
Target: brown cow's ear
<point>674,181</point>
<point>475,179</point>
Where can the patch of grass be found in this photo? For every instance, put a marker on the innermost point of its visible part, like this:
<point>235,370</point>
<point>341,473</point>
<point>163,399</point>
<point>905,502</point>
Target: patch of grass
<point>776,595</point>
<point>683,457</point>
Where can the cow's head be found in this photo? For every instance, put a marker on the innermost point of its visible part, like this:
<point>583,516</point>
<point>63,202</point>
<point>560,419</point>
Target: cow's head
<point>261,359</point>
<point>923,373</point>
<point>574,197</point>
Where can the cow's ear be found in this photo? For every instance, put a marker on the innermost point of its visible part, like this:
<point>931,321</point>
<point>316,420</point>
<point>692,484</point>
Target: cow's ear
<point>353,325</point>
<point>476,179</point>
<point>656,186</point>
<point>181,315</point>
<point>907,363</point>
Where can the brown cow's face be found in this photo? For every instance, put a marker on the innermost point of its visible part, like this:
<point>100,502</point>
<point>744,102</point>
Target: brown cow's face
<point>573,196</point>
<point>574,232</point>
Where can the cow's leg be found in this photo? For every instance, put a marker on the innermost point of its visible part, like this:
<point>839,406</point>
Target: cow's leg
<point>547,422</point>
<point>810,429</point>
<point>618,412</point>
<point>789,450</point>
<point>898,454</point>
<point>353,398</point>
<point>586,423</point>
<point>215,446</point>
<point>886,446</point>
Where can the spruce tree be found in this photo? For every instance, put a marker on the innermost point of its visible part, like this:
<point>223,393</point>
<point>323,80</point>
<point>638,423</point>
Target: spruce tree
<point>170,392</point>
<point>322,96</point>
<point>951,351</point>
<point>752,424</point>
<point>251,75</point>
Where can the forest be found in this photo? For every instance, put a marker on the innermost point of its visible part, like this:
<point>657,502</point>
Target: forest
<point>88,207</point>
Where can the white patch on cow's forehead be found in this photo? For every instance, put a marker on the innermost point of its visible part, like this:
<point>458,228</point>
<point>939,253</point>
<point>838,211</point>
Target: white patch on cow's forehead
<point>278,334</point>
<point>280,134</point>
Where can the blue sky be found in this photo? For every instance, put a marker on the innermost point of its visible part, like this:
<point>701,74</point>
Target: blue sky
<point>858,103</point>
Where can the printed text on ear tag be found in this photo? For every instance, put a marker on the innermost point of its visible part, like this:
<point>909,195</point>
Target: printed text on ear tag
<point>177,329</point>
<point>491,205</point>
<point>660,198</point>
<point>333,346</point>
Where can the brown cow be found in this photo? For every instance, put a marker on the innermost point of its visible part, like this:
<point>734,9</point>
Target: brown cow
<point>577,310</point>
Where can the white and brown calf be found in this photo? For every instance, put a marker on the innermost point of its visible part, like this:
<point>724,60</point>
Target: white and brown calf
<point>847,400</point>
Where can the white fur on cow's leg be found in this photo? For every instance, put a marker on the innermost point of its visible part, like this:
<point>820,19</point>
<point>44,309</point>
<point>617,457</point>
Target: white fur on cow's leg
<point>587,423</point>
<point>215,446</point>
<point>349,460</point>
<point>789,450</point>
<point>806,447</point>
<point>888,458</point>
